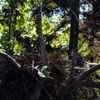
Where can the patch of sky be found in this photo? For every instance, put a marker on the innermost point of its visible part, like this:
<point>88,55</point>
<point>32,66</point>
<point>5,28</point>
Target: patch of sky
<point>0,7</point>
<point>57,15</point>
<point>1,2</point>
<point>86,7</point>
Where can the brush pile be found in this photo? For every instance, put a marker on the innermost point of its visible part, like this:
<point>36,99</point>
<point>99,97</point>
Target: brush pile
<point>19,83</point>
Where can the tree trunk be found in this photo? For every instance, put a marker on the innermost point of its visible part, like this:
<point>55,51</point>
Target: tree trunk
<point>41,82</point>
<point>73,45</point>
<point>41,40</point>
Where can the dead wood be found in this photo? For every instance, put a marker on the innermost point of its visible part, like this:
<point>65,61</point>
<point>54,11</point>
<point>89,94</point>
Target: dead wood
<point>10,59</point>
<point>85,74</point>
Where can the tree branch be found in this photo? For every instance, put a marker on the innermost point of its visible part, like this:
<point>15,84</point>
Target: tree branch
<point>71,76</point>
<point>92,64</point>
<point>85,74</point>
<point>62,24</point>
<point>10,59</point>
<point>90,83</point>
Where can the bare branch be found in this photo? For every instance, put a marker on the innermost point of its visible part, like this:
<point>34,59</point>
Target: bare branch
<point>92,64</point>
<point>62,24</point>
<point>90,83</point>
<point>85,74</point>
<point>10,59</point>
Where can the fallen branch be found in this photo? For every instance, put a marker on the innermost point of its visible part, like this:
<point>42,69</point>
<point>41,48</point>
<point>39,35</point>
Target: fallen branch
<point>10,59</point>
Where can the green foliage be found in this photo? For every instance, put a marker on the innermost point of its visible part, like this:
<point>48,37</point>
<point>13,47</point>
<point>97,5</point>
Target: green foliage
<point>18,25</point>
<point>47,74</point>
<point>17,47</point>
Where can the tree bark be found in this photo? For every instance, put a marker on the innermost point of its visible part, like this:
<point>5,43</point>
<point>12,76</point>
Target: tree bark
<point>41,40</point>
<point>38,88</point>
